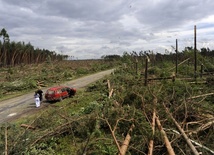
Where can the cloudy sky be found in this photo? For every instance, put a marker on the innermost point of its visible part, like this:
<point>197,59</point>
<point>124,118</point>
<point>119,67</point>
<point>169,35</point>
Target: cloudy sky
<point>89,29</point>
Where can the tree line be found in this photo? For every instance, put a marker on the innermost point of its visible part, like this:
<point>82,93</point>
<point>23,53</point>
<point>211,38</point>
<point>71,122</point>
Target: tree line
<point>187,52</point>
<point>204,54</point>
<point>16,53</point>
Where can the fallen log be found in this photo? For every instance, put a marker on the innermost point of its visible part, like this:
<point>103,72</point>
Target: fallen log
<point>196,143</point>
<point>110,89</point>
<point>192,147</point>
<point>180,63</point>
<point>110,93</point>
<point>125,144</point>
<point>165,138</point>
<point>151,142</point>
<point>198,96</point>
<point>28,126</point>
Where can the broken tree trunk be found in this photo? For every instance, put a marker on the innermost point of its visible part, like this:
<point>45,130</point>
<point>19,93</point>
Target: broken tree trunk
<point>151,142</point>
<point>165,138</point>
<point>28,126</point>
<point>110,93</point>
<point>198,96</point>
<point>113,134</point>
<point>125,144</point>
<point>196,143</point>
<point>110,89</point>
<point>192,147</point>
<point>109,85</point>
<point>180,63</point>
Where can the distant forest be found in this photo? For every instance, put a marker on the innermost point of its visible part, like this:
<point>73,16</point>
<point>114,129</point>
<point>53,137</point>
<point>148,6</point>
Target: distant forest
<point>188,52</point>
<point>17,53</point>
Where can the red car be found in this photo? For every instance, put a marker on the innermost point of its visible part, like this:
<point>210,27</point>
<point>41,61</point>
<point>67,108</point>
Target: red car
<point>58,93</point>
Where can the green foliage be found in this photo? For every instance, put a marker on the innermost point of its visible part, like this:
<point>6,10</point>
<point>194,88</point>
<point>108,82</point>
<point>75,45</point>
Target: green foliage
<point>25,78</point>
<point>85,123</point>
<point>91,107</point>
<point>154,71</point>
<point>68,74</point>
<point>81,71</point>
<point>41,148</point>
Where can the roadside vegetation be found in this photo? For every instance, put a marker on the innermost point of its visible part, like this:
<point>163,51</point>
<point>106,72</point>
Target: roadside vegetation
<point>129,112</point>
<point>24,78</point>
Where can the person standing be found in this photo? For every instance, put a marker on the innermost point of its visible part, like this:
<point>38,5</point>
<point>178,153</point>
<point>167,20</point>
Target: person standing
<point>40,92</point>
<point>37,99</point>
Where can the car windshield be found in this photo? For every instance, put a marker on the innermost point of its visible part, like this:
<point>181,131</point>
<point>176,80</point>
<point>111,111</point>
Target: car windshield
<point>50,92</point>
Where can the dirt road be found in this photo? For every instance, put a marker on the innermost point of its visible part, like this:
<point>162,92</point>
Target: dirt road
<point>15,107</point>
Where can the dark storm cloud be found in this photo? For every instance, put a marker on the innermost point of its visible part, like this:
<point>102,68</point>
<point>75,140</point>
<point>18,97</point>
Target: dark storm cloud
<point>168,14</point>
<point>101,10</point>
<point>91,28</point>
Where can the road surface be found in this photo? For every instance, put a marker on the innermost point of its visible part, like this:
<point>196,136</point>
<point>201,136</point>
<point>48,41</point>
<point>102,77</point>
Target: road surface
<point>15,107</point>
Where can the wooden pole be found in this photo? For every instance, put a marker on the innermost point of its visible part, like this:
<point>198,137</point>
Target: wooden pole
<point>146,72</point>
<point>202,68</point>
<point>195,55</point>
<point>176,70</point>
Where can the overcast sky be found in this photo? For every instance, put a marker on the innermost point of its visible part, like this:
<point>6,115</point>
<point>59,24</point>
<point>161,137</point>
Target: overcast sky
<point>89,29</point>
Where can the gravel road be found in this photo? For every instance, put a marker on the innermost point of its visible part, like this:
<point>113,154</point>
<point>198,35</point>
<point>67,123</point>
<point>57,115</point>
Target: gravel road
<point>15,107</point>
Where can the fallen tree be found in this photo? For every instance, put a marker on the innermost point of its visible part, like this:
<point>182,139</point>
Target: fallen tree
<point>192,147</point>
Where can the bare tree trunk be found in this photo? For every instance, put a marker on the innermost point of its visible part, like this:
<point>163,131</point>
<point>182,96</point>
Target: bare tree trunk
<point>125,144</point>
<point>28,126</point>
<point>203,95</point>
<point>196,143</point>
<point>110,89</point>
<point>113,135</point>
<point>151,142</point>
<point>165,138</point>
<point>195,152</point>
<point>180,63</point>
